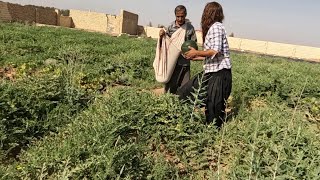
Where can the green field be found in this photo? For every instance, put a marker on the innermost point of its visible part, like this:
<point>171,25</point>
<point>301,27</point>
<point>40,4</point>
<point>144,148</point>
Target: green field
<point>79,105</point>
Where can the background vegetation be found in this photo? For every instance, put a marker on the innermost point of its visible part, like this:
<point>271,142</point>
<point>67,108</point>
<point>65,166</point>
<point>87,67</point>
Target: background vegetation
<point>79,105</point>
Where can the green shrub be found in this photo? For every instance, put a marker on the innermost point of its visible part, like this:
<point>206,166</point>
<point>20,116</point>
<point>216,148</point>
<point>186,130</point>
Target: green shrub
<point>32,107</point>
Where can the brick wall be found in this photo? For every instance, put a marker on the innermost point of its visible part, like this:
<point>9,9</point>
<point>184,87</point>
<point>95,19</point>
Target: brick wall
<point>46,16</point>
<point>141,31</point>
<point>128,22</point>
<point>65,21</point>
<point>152,32</point>
<point>4,12</point>
<point>22,13</point>
<point>113,24</point>
<point>28,13</point>
<point>276,49</point>
<point>89,20</point>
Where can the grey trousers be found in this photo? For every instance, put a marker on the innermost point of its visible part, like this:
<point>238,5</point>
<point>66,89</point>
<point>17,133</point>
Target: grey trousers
<point>180,76</point>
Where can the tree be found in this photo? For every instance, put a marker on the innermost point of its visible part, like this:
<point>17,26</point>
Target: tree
<point>231,35</point>
<point>150,24</point>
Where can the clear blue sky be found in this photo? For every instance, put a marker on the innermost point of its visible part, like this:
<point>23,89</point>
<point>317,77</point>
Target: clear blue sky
<point>285,21</point>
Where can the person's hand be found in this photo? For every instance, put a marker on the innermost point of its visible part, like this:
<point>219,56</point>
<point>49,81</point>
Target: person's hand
<point>161,32</point>
<point>192,53</point>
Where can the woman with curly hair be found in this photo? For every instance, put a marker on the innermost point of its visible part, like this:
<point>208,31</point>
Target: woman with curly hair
<point>217,77</point>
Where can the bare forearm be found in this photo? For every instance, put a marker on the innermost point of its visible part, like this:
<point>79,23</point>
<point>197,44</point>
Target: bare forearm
<point>199,55</point>
<point>207,53</point>
<point>198,58</point>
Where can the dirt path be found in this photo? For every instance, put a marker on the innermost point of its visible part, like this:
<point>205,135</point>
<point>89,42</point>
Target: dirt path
<point>158,91</point>
<point>7,73</point>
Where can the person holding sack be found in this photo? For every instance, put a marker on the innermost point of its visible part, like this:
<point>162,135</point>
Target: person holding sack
<point>178,31</point>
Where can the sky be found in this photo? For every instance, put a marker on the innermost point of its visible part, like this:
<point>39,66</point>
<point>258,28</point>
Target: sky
<point>284,21</point>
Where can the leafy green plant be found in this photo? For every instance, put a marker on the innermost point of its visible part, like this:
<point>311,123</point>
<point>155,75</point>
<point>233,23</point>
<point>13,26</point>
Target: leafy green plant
<point>125,132</point>
<point>32,107</point>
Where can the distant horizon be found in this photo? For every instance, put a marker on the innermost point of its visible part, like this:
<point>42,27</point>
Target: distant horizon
<point>286,21</point>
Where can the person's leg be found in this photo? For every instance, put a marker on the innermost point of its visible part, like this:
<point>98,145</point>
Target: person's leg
<point>185,76</point>
<point>219,89</point>
<point>172,85</point>
<point>215,111</point>
<point>187,89</point>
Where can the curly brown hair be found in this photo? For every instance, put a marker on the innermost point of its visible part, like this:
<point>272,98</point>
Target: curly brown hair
<point>212,13</point>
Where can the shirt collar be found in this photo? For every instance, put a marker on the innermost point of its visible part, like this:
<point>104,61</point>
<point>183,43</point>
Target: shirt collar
<point>173,24</point>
